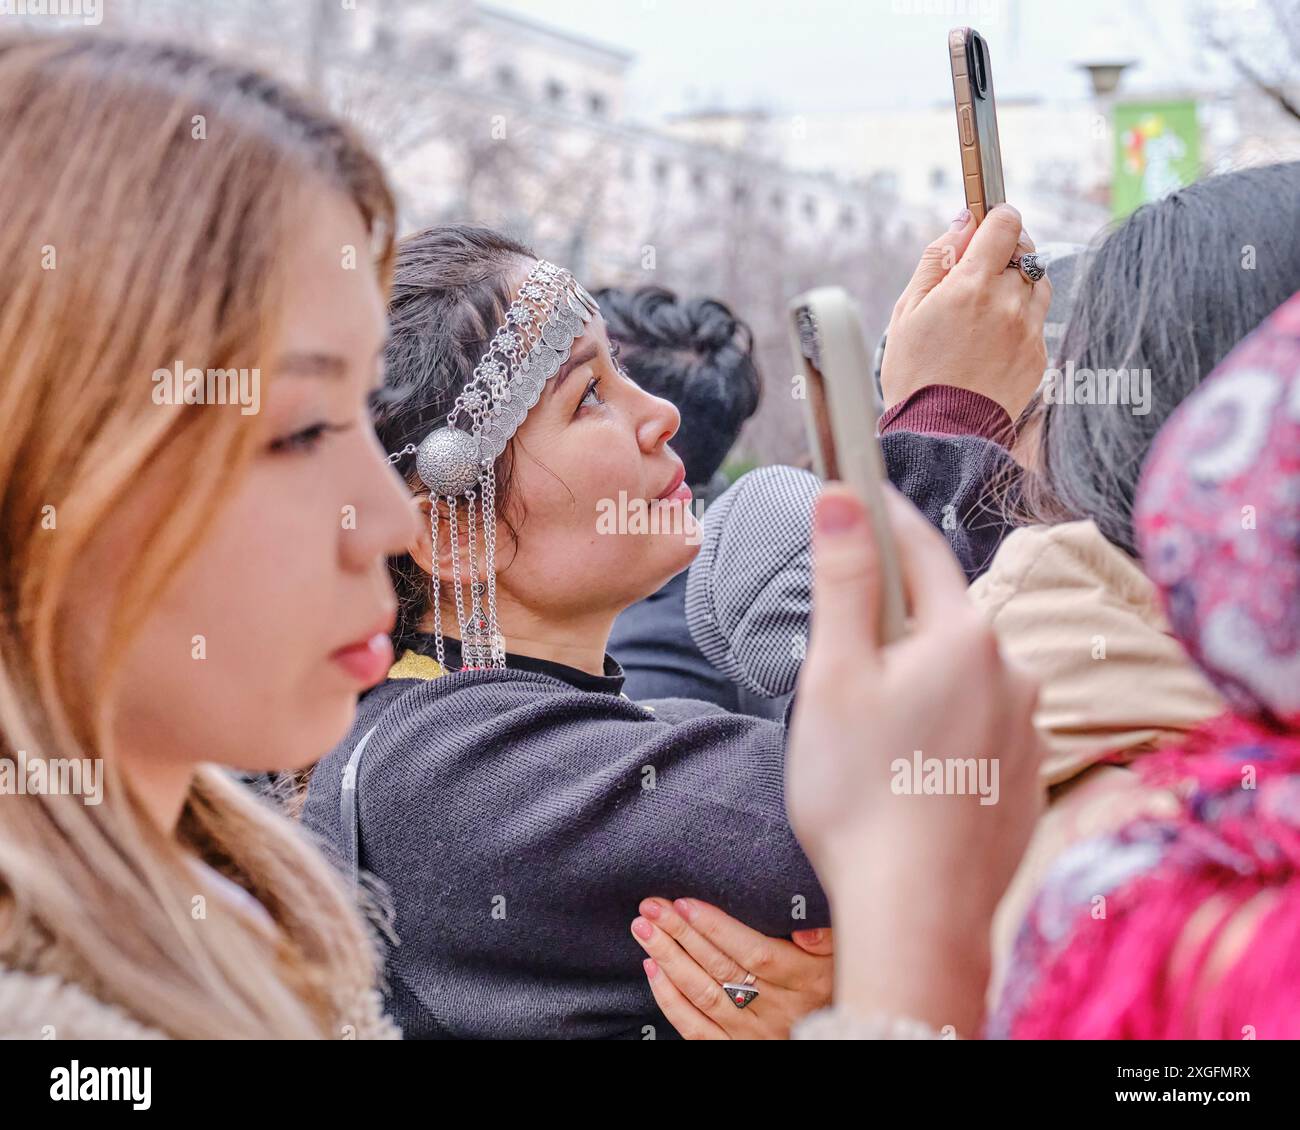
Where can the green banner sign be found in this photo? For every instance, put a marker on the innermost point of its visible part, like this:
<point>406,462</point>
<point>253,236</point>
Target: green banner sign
<point>1157,150</point>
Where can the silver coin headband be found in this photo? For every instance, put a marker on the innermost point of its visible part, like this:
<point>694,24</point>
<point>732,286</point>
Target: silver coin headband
<point>457,461</point>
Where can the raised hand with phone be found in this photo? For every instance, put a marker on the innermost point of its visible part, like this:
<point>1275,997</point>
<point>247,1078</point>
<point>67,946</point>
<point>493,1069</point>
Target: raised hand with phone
<point>972,317</point>
<point>968,319</point>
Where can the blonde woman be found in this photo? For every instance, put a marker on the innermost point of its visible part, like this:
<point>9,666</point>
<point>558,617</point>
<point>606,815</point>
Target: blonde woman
<point>186,585</point>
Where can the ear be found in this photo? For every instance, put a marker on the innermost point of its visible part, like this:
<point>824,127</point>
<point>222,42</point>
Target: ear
<point>421,546</point>
<point>422,549</point>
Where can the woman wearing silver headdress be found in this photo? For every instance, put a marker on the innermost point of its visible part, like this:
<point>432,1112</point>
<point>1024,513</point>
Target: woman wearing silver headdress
<point>515,803</point>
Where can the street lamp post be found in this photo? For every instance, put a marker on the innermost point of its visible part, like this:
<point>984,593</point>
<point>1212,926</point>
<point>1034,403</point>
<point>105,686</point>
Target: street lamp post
<point>1105,76</point>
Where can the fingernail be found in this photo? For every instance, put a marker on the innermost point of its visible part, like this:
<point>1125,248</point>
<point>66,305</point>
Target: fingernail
<point>642,929</point>
<point>651,969</point>
<point>837,515</point>
<point>812,937</point>
<point>962,219</point>
<point>650,908</point>
<point>685,908</point>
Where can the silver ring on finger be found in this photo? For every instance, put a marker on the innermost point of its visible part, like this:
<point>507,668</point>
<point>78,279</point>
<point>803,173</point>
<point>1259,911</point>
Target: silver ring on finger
<point>742,993</point>
<point>1031,265</point>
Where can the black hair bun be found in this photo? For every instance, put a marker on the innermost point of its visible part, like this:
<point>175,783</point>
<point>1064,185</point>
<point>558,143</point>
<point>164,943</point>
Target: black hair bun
<point>712,326</point>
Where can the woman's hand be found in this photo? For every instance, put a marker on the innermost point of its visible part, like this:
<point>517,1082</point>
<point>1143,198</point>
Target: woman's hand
<point>914,865</point>
<point>969,320</point>
<point>694,948</point>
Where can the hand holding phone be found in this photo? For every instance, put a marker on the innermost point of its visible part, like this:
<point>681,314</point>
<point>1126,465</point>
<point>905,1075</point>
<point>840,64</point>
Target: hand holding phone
<point>975,325</point>
<point>842,409</point>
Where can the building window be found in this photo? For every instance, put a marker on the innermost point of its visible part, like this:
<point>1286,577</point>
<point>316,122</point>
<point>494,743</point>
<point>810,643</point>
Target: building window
<point>661,170</point>
<point>938,177</point>
<point>554,92</point>
<point>778,201</point>
<point>506,77</point>
<point>810,209</point>
<point>597,104</point>
<point>740,194</point>
<point>885,182</point>
<point>699,180</point>
<point>847,218</point>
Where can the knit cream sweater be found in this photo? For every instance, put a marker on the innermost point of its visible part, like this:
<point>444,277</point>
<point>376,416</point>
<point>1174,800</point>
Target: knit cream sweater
<point>42,995</point>
<point>45,1007</point>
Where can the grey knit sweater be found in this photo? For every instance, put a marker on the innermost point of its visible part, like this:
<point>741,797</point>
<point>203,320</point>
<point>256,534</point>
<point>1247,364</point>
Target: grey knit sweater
<point>519,821</point>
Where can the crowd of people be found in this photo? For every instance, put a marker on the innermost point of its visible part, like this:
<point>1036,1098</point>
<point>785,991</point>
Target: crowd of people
<point>397,738</point>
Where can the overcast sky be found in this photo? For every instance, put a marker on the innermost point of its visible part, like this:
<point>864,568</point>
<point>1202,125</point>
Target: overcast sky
<point>808,55</point>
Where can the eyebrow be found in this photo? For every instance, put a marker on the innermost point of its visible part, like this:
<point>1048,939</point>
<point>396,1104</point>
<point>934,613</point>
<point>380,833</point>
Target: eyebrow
<point>579,357</point>
<point>311,365</point>
<point>317,364</point>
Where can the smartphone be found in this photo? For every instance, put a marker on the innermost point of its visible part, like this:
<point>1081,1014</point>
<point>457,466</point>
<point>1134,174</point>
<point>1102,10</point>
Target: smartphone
<point>977,121</point>
<point>842,409</point>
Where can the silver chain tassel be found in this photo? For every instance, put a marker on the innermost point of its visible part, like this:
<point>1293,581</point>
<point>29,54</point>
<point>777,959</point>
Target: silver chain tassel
<point>488,482</point>
<point>437,586</point>
<point>474,644</point>
<point>455,571</point>
<point>481,645</point>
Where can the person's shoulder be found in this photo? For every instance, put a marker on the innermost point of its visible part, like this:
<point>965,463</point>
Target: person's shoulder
<point>406,692</point>
<point>465,708</point>
<point>1068,555</point>
<point>454,717</point>
<point>499,685</point>
<point>444,728</point>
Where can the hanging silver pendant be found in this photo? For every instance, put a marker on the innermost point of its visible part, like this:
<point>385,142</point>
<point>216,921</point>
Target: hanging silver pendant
<point>476,634</point>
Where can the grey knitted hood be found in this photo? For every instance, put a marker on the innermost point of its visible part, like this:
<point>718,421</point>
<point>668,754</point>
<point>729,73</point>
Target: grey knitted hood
<point>749,595</point>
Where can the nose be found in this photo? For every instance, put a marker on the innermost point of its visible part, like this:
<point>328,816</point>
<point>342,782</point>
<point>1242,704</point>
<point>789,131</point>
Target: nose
<point>385,521</point>
<point>657,423</point>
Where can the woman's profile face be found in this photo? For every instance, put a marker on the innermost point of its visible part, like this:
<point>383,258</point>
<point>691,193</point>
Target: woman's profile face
<point>597,496</point>
<point>255,653</point>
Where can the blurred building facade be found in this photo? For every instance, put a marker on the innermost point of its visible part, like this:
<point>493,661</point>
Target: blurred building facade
<point>485,116</point>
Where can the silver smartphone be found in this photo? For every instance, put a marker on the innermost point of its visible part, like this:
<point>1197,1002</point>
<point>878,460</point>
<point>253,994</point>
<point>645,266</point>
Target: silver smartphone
<point>842,410</point>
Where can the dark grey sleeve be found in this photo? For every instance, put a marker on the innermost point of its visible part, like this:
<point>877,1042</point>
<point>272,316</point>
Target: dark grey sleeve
<point>749,592</point>
<point>962,484</point>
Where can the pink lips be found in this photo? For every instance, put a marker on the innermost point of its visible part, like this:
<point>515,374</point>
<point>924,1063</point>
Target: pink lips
<point>368,661</point>
<point>677,490</point>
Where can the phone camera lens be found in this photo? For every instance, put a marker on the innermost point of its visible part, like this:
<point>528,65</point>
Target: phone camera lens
<point>980,71</point>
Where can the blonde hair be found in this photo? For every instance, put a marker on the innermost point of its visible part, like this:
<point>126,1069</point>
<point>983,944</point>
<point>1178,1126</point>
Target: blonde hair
<point>166,243</point>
